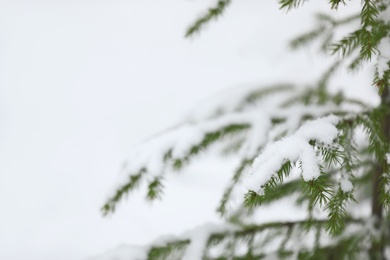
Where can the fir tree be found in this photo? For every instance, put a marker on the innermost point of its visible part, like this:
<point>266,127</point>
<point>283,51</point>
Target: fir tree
<point>293,141</point>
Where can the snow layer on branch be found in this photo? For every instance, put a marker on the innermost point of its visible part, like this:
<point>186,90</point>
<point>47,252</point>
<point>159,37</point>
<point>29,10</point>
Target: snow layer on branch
<point>150,155</point>
<point>295,113</point>
<point>267,114</point>
<point>384,56</point>
<point>233,100</point>
<point>252,106</point>
<point>257,136</point>
<point>293,148</point>
<point>220,104</point>
<point>345,184</point>
<point>199,237</point>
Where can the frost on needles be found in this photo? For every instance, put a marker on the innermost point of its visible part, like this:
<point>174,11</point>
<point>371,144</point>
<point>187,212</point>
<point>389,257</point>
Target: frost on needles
<point>301,142</point>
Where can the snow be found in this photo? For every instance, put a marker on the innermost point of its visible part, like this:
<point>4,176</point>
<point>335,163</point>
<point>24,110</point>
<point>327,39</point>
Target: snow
<point>293,148</point>
<point>383,56</point>
<point>310,164</point>
<point>387,188</point>
<point>150,155</point>
<point>258,115</point>
<point>323,130</point>
<point>384,46</point>
<point>199,237</point>
<point>387,252</point>
<point>346,185</point>
<point>229,100</point>
<point>257,135</point>
<point>261,133</point>
<point>82,81</point>
<point>384,15</point>
<point>124,252</point>
<point>295,113</point>
<point>194,251</point>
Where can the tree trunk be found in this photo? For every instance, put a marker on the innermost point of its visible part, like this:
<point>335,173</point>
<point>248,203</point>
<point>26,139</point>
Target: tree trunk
<point>377,249</point>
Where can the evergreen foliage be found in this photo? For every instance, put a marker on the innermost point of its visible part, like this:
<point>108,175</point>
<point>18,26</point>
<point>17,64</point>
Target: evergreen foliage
<point>301,142</point>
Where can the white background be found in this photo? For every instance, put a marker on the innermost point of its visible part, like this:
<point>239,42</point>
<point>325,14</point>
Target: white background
<point>81,81</point>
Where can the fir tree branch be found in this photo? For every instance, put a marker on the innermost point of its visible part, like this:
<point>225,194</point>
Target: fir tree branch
<point>348,44</point>
<point>228,192</point>
<point>337,211</point>
<point>173,250</point>
<point>307,38</point>
<point>260,93</point>
<point>212,13</point>
<point>335,3</point>
<point>134,181</point>
<point>209,139</point>
<point>325,29</point>
<point>369,13</point>
<point>155,189</point>
<point>290,4</point>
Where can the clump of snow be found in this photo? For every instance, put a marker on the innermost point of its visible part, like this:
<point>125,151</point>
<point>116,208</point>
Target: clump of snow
<point>322,130</point>
<point>293,148</point>
<point>387,188</point>
<point>345,184</point>
<point>388,158</point>
<point>383,56</point>
<point>310,163</point>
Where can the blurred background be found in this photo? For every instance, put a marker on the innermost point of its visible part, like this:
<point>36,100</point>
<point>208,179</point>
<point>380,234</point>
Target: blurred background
<point>82,81</point>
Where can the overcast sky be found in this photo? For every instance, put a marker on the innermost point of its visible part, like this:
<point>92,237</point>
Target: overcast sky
<point>81,81</point>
